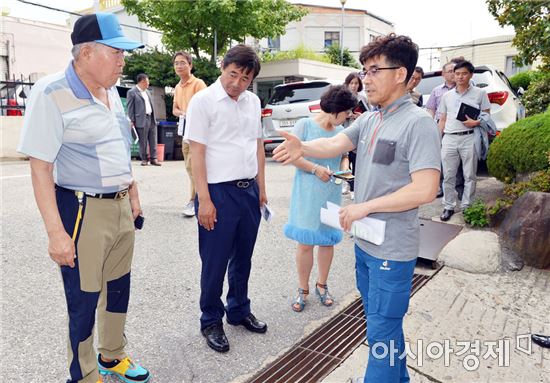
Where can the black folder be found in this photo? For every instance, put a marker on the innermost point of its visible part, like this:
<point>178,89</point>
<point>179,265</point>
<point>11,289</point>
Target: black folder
<point>360,107</point>
<point>468,110</point>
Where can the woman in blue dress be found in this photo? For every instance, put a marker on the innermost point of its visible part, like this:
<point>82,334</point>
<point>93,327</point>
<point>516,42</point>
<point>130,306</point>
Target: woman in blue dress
<point>313,187</point>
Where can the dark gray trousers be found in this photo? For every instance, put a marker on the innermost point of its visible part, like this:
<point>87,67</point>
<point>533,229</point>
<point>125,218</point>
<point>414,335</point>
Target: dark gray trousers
<point>148,136</point>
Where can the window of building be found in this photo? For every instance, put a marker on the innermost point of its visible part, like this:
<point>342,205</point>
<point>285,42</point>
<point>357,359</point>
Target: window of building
<point>274,43</point>
<point>332,38</point>
<point>512,68</point>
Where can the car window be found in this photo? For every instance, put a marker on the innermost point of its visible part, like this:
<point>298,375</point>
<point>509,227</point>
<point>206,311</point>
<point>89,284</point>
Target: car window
<point>482,79</point>
<point>428,83</point>
<point>507,82</point>
<point>289,94</point>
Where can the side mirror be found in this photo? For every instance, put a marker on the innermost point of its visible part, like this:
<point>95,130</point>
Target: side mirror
<point>520,91</point>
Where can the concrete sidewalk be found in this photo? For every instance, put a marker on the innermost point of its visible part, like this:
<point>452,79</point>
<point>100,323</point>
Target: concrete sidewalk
<point>462,309</point>
<point>463,315</point>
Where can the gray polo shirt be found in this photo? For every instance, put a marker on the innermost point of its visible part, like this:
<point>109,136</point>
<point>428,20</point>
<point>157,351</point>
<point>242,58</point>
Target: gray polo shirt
<point>450,103</point>
<point>391,144</point>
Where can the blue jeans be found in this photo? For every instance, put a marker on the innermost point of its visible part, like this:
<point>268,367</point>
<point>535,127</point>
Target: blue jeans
<point>385,288</point>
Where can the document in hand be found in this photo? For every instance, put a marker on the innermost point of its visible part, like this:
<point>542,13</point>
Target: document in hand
<point>135,135</point>
<point>267,213</point>
<point>370,229</point>
<point>467,110</point>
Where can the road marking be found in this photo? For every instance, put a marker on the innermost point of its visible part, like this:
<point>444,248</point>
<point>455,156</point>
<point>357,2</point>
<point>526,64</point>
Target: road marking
<point>20,176</point>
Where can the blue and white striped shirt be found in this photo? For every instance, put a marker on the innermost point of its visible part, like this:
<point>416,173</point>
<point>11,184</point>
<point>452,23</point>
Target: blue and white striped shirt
<point>88,143</point>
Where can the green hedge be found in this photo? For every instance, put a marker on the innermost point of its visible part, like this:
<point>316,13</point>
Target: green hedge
<point>537,98</point>
<point>521,148</point>
<point>524,79</point>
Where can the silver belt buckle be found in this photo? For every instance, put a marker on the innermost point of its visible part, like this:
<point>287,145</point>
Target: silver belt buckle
<point>243,184</point>
<point>121,194</point>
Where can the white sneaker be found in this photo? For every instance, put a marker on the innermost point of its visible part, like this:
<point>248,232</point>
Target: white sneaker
<point>189,209</point>
<point>351,195</point>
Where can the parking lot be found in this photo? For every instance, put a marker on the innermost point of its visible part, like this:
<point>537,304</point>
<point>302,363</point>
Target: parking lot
<point>163,325</point>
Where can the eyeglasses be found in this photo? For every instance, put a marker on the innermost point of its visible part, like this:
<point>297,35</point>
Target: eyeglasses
<point>181,63</point>
<point>372,71</point>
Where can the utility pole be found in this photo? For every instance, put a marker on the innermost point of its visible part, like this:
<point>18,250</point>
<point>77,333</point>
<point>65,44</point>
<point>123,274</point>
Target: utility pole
<point>343,2</point>
<point>215,45</point>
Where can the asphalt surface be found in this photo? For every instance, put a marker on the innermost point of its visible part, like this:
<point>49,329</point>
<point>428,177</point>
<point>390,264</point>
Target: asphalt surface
<point>163,320</point>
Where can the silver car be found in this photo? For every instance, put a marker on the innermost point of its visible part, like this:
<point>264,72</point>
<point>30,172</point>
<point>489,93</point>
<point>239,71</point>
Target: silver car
<point>506,107</point>
<point>289,103</point>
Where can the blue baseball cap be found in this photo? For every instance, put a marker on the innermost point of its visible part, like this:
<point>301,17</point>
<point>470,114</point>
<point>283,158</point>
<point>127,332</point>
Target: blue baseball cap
<point>102,28</point>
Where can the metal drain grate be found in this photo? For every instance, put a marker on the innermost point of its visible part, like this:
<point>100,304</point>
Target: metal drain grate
<point>321,352</point>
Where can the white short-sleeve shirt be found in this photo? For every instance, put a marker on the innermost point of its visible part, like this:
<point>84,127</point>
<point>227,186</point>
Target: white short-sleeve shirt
<point>450,103</point>
<point>229,129</point>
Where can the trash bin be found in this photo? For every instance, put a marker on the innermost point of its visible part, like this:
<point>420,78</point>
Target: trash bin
<point>167,131</point>
<point>134,150</point>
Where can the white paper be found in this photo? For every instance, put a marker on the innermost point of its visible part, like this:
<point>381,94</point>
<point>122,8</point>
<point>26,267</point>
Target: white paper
<point>370,229</point>
<point>267,213</point>
<point>134,133</point>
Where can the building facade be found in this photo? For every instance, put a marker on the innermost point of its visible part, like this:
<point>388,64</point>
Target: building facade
<point>496,51</point>
<point>31,49</point>
<point>325,26</point>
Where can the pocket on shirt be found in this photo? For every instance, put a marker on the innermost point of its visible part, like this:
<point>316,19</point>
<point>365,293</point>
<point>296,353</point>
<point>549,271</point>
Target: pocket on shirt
<point>384,153</point>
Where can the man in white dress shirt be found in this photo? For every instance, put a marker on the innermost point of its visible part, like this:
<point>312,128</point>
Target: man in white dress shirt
<point>225,134</point>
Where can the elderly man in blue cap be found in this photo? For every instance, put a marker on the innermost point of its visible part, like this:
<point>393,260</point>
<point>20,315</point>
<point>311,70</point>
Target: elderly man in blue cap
<point>78,139</point>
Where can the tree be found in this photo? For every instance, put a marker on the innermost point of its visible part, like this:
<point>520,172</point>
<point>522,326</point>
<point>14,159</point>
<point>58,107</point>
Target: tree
<point>192,24</point>
<point>531,21</point>
<point>333,52</point>
<point>158,66</point>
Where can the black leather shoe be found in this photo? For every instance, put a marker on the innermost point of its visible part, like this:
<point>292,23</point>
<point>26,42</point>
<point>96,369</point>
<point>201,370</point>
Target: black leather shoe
<point>541,340</point>
<point>447,214</point>
<point>251,324</point>
<point>215,337</point>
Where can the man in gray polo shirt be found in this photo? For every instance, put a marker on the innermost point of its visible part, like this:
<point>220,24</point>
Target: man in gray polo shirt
<point>398,162</point>
<point>458,140</point>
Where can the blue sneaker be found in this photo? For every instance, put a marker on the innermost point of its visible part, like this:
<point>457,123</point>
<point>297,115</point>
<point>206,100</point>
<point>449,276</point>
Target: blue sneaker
<point>125,370</point>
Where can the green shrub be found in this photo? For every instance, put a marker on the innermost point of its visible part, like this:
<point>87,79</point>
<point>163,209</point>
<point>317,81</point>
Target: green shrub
<point>540,182</point>
<point>537,98</point>
<point>300,52</point>
<point>476,214</point>
<point>333,52</point>
<point>500,204</point>
<point>521,148</point>
<point>524,79</point>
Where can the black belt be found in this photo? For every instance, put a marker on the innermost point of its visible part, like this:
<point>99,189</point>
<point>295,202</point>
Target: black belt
<point>243,184</point>
<point>462,133</point>
<point>115,195</point>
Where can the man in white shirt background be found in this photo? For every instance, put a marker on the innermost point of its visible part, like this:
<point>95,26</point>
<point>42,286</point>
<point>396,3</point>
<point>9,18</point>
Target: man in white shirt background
<point>458,140</point>
<point>142,115</point>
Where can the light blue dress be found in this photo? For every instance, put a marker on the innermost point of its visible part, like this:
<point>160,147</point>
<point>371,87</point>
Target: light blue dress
<point>310,194</point>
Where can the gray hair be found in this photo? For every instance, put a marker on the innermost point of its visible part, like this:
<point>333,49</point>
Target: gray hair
<point>78,47</point>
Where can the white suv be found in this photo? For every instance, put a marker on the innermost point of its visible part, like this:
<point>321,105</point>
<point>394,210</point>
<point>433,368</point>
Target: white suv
<point>506,107</point>
<point>289,103</point>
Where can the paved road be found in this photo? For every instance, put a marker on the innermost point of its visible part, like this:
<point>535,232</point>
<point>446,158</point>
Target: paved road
<point>163,326</point>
